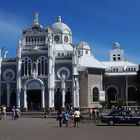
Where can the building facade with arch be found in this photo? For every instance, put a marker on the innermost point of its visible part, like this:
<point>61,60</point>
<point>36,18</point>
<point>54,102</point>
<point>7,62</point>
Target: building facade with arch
<point>120,80</point>
<point>49,70</point>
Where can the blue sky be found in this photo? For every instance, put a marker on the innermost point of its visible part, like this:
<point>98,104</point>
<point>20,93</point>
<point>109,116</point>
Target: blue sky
<point>98,22</point>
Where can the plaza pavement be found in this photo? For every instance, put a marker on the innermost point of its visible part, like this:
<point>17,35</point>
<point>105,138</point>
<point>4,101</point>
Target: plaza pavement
<point>47,129</point>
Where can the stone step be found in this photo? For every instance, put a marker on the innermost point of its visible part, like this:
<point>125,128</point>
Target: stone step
<point>35,114</point>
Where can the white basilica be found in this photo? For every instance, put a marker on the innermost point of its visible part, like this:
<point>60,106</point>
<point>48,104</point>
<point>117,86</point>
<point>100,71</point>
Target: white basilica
<point>49,70</point>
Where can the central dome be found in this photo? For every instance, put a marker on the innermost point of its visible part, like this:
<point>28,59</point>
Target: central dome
<point>60,27</point>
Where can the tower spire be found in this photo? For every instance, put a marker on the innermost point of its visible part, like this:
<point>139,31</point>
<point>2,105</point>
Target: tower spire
<point>36,19</point>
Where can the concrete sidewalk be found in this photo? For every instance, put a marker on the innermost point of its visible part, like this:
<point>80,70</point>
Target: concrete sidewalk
<point>48,129</point>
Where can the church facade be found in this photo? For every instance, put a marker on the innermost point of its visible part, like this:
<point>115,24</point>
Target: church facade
<point>49,70</point>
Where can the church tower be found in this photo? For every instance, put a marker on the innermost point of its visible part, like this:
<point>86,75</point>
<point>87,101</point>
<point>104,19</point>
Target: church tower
<point>116,54</point>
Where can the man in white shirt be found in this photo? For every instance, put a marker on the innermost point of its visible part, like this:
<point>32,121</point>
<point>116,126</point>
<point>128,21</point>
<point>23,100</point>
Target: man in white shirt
<point>76,118</point>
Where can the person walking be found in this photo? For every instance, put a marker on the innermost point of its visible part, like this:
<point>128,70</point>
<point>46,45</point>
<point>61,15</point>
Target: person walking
<point>17,113</point>
<point>66,118</point>
<point>3,112</point>
<point>59,117</point>
<point>76,118</point>
<point>13,113</point>
<point>48,111</point>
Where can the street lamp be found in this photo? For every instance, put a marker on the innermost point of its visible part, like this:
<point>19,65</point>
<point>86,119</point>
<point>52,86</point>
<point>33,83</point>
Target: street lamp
<point>126,89</point>
<point>126,84</point>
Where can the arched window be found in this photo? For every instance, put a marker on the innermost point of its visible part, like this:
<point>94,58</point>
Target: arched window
<point>62,54</point>
<point>114,69</point>
<point>114,57</point>
<point>95,93</point>
<point>111,94</point>
<point>119,57</point>
<point>134,69</point>
<point>26,66</point>
<point>42,66</point>
<point>4,97</point>
<point>34,69</point>
<point>86,51</point>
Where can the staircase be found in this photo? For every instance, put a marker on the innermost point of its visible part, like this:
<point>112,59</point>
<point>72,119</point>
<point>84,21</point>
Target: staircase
<point>33,114</point>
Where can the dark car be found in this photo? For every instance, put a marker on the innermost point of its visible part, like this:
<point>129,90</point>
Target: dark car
<point>121,117</point>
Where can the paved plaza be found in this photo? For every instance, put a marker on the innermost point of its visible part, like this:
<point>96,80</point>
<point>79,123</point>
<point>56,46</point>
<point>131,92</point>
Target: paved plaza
<point>47,129</point>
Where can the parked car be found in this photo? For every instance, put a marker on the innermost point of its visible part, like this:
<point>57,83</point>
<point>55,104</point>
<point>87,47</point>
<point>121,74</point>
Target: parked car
<point>121,117</point>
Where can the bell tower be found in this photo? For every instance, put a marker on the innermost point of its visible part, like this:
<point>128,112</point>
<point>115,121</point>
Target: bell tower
<point>116,54</point>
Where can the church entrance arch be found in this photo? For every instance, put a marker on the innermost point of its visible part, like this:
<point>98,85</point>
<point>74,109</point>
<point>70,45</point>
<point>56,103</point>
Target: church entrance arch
<point>111,96</point>
<point>68,100</point>
<point>34,98</point>
<point>58,99</point>
<point>13,98</point>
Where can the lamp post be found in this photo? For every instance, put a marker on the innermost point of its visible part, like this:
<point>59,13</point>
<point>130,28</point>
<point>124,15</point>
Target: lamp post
<point>126,89</point>
<point>126,84</point>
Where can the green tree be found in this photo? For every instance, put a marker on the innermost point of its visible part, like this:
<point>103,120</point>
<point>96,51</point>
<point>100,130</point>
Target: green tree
<point>120,102</point>
<point>104,104</point>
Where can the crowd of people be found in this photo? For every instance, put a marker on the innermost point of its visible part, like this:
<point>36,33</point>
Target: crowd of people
<point>15,113</point>
<point>94,113</point>
<point>68,117</point>
<point>132,110</point>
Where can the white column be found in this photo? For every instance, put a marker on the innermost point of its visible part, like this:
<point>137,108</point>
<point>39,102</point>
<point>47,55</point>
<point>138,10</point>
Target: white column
<point>25,98</point>
<point>43,98</point>
<point>75,78</point>
<point>75,92</point>
<point>0,76</point>
<point>101,79</point>
<point>63,98</point>
<point>51,98</point>
<point>77,98</point>
<point>18,74</point>
<point>51,71</point>
<point>18,98</point>
<point>63,86</point>
<point>53,86</point>
<point>8,95</point>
